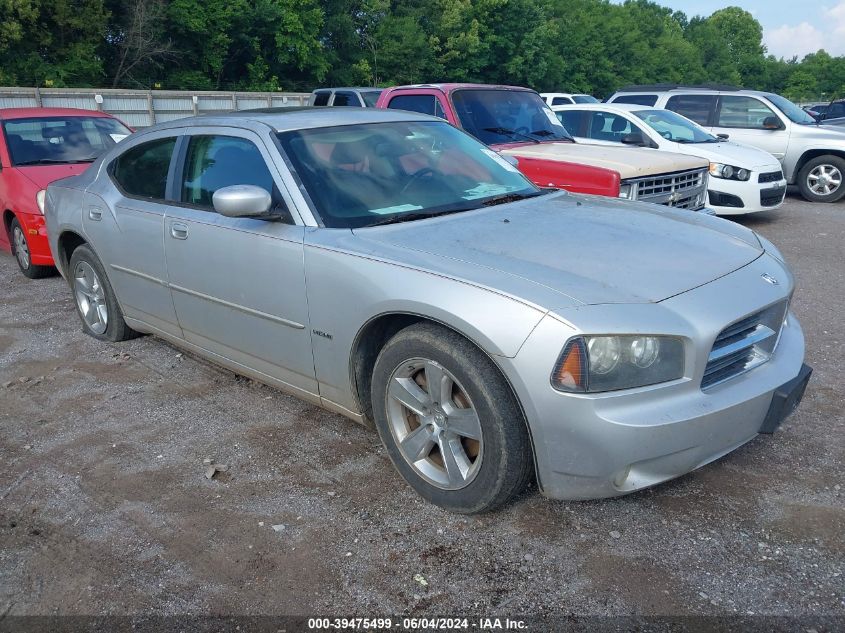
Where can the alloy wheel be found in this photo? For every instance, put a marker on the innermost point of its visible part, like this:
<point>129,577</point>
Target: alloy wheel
<point>90,297</point>
<point>824,179</point>
<point>434,424</point>
<point>21,248</point>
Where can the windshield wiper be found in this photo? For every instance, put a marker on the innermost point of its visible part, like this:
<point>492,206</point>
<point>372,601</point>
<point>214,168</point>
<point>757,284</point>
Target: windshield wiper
<point>55,161</point>
<point>512,197</point>
<point>550,133</point>
<point>422,215</point>
<point>508,132</point>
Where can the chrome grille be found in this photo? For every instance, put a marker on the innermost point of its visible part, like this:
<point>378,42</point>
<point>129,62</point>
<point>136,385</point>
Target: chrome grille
<point>685,189</point>
<point>744,345</point>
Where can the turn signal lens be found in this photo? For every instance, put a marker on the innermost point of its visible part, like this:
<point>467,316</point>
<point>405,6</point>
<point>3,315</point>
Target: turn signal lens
<point>571,371</point>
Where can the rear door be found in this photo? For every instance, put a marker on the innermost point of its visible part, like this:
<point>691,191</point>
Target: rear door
<point>698,108</point>
<point>742,117</point>
<point>238,284</point>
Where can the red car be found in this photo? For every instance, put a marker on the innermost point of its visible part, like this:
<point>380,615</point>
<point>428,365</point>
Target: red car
<point>38,146</point>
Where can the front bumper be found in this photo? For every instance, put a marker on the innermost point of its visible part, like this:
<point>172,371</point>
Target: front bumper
<point>35,230</point>
<point>603,445</point>
<point>734,197</point>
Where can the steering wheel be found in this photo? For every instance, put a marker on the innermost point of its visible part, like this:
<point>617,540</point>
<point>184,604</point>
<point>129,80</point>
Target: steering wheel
<point>420,173</point>
<point>667,135</point>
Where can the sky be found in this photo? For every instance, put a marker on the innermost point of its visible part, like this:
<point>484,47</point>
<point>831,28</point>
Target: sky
<point>790,27</point>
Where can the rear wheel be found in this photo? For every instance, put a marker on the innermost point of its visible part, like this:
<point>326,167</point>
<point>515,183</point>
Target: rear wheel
<point>20,249</point>
<point>449,421</point>
<point>96,303</point>
<point>822,179</point>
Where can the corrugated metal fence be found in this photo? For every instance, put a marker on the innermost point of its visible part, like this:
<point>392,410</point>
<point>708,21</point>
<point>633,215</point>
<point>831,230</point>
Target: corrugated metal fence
<point>140,109</point>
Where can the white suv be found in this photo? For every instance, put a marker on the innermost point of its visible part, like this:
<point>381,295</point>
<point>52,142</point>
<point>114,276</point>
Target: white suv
<point>812,154</point>
<point>565,98</point>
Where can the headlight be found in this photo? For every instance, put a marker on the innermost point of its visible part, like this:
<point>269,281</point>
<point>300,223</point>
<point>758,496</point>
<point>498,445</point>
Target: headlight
<point>589,364</point>
<point>40,197</point>
<point>626,191</point>
<point>729,172</point>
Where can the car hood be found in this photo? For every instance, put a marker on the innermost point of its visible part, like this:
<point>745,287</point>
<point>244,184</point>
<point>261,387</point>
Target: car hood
<point>730,153</point>
<point>822,132</point>
<point>582,248</point>
<point>629,162</point>
<point>43,175</point>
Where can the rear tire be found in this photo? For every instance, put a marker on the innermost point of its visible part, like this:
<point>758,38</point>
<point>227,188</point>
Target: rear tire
<point>96,303</point>
<point>23,256</point>
<point>822,179</point>
<point>449,420</point>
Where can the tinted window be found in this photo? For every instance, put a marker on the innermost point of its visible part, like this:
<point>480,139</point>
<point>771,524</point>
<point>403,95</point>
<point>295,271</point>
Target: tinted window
<point>322,98</point>
<point>561,101</point>
<point>605,126</point>
<point>697,108</point>
<point>213,162</point>
<point>743,112</point>
<point>424,104</point>
<point>40,140</point>
<point>344,98</point>
<point>674,127</point>
<point>572,120</point>
<point>646,100</point>
<point>142,171</point>
<point>370,97</point>
<point>835,110</point>
<point>585,99</point>
<point>359,175</point>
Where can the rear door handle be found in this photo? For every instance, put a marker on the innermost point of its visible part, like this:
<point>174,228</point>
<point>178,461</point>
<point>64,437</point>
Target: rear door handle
<point>179,230</point>
<point>95,213</point>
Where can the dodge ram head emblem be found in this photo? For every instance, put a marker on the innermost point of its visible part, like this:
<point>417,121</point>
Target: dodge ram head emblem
<point>770,279</point>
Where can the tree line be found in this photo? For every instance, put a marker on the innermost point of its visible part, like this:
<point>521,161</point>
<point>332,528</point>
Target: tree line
<point>590,46</point>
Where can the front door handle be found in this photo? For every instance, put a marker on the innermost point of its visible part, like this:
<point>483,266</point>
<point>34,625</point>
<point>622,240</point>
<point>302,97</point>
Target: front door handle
<point>179,230</point>
<point>95,213</point>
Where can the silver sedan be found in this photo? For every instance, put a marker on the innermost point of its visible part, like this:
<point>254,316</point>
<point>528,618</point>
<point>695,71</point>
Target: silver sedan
<point>388,267</point>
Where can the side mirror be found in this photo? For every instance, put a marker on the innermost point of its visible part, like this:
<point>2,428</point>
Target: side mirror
<point>635,138</point>
<point>724,136</point>
<point>772,123</point>
<point>242,201</point>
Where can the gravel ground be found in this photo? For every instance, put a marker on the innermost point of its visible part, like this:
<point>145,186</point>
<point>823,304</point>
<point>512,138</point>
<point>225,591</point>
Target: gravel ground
<point>105,509</point>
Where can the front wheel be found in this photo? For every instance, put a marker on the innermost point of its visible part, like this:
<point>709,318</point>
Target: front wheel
<point>20,249</point>
<point>449,421</point>
<point>96,303</point>
<point>821,179</point>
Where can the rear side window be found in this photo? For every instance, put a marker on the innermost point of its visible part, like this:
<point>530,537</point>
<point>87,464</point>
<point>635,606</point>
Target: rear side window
<point>572,120</point>
<point>646,100</point>
<point>345,98</point>
<point>835,110</point>
<point>213,162</point>
<point>561,101</point>
<point>424,104</point>
<point>141,172</point>
<point>698,108</point>
<point>322,98</point>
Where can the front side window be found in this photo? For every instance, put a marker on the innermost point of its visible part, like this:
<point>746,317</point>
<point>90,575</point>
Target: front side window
<point>45,141</point>
<point>370,97</point>
<point>344,98</point>
<point>674,127</point>
<point>698,108</point>
<point>214,162</point>
<point>141,171</point>
<point>744,112</point>
<point>573,121</point>
<point>606,126</point>
<point>646,100</point>
<point>424,104</point>
<point>361,175</point>
<point>506,116</point>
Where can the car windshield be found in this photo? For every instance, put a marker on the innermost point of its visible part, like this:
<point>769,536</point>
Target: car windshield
<point>379,173</point>
<point>505,116</point>
<point>57,140</point>
<point>674,127</point>
<point>585,99</point>
<point>370,97</point>
<point>792,111</point>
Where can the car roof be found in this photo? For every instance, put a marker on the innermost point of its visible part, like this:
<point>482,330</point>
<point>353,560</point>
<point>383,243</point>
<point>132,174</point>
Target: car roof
<point>352,88</point>
<point>7,114</point>
<point>627,107</point>
<point>564,94</point>
<point>679,89</point>
<point>452,87</point>
<point>294,118</point>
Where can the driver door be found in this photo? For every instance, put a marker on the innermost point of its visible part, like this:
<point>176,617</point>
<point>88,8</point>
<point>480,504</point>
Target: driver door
<point>238,284</point>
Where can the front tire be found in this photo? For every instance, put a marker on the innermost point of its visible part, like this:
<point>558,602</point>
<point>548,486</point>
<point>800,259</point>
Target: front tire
<point>449,420</point>
<point>20,249</point>
<point>96,303</point>
<point>822,179</point>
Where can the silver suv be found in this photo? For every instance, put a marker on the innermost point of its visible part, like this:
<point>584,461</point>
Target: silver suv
<point>812,154</point>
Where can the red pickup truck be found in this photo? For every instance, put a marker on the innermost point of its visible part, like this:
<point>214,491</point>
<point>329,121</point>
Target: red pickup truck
<point>517,122</point>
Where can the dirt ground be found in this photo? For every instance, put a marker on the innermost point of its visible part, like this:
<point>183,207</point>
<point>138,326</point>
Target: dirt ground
<point>105,508</point>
